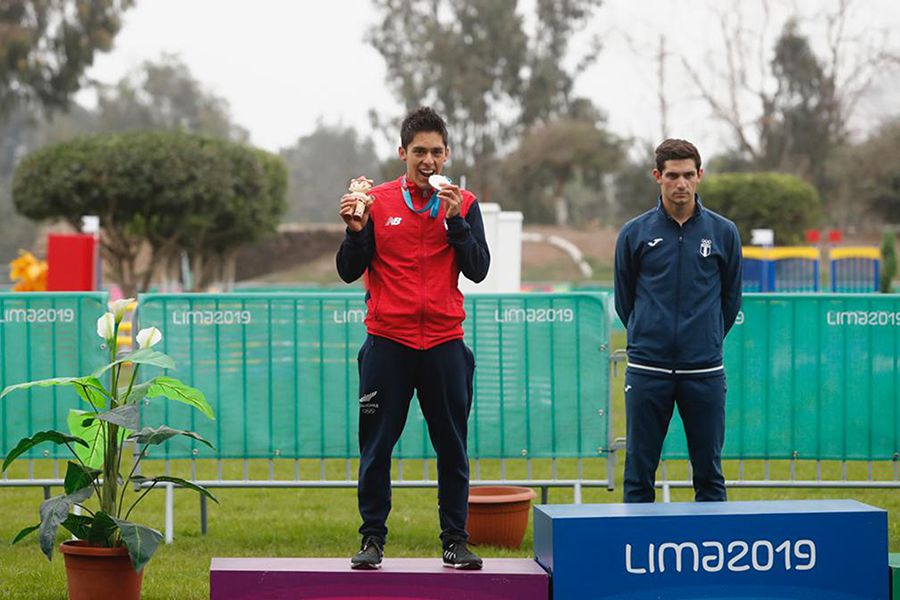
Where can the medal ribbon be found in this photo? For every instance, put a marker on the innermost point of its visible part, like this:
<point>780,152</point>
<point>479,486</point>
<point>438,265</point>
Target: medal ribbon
<point>433,205</point>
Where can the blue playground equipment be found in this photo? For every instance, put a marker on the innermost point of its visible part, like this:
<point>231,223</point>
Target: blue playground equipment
<point>855,269</point>
<point>782,269</point>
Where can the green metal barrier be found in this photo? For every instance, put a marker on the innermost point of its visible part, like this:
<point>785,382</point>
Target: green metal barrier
<point>280,371</point>
<point>811,377</point>
<point>45,335</point>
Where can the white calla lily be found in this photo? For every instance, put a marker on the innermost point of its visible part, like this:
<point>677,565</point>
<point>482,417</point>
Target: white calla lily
<point>106,326</point>
<point>148,337</point>
<point>120,307</point>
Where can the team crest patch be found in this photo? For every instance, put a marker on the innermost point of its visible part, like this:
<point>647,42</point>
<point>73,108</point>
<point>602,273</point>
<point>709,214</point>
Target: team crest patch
<point>705,247</point>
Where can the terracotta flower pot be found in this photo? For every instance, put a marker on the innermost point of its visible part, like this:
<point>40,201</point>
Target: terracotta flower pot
<point>93,572</point>
<point>498,514</point>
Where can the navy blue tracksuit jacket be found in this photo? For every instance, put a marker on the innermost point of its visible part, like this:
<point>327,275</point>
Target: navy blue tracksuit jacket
<point>678,292</point>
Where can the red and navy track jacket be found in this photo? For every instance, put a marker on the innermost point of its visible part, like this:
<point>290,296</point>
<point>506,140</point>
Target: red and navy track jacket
<point>412,264</point>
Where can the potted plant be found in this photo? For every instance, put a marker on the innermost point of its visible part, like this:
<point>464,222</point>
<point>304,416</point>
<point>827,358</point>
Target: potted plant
<point>110,549</point>
<point>498,514</point>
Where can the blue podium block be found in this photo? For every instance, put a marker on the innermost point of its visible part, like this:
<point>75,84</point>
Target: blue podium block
<point>821,550</point>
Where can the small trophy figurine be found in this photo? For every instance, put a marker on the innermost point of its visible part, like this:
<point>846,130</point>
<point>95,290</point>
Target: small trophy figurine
<point>358,189</point>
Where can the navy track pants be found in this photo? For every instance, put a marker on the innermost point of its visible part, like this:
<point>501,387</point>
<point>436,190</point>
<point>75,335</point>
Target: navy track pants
<point>649,403</point>
<point>389,372</point>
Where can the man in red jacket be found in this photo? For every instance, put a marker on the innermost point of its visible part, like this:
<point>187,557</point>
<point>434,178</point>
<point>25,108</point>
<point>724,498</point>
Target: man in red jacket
<point>412,243</point>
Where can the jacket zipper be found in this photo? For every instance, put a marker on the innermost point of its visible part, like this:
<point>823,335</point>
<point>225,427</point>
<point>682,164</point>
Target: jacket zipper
<point>677,296</point>
<point>423,288</point>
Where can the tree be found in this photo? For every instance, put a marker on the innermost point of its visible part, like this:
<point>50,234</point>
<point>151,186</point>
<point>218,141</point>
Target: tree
<point>17,137</point>
<point>473,61</point>
<point>801,122</point>
<point>165,95</point>
<point>789,108</point>
<point>869,175</point>
<point>548,87</point>
<point>157,194</point>
<point>636,190</point>
<point>553,156</point>
<point>320,166</point>
<point>776,201</point>
<point>22,130</point>
<point>789,105</point>
<point>888,263</point>
<point>46,46</point>
<point>250,211</point>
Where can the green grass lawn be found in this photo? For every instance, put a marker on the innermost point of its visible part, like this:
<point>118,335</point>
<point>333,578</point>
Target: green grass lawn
<point>313,522</point>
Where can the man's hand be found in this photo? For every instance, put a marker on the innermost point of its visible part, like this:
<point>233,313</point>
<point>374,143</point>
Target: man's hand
<point>452,199</point>
<point>348,203</point>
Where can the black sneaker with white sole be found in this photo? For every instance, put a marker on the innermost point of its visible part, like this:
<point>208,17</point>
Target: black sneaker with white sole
<point>371,551</point>
<point>458,556</point>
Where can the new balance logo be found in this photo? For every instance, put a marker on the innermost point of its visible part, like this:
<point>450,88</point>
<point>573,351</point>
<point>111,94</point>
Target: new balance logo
<point>654,242</point>
<point>391,221</point>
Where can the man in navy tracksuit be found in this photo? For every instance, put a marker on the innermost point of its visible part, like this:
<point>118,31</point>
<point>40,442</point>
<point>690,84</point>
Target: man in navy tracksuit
<point>412,244</point>
<point>678,291</point>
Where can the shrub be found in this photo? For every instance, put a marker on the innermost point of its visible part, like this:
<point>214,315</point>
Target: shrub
<point>776,201</point>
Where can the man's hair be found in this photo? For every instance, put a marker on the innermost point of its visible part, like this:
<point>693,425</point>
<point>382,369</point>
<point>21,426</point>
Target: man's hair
<point>422,119</point>
<point>674,149</point>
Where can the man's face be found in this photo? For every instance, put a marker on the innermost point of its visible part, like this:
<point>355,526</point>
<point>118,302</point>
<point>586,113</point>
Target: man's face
<point>425,156</point>
<point>678,181</point>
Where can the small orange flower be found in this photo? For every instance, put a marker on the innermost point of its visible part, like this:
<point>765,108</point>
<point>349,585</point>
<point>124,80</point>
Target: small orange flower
<point>31,273</point>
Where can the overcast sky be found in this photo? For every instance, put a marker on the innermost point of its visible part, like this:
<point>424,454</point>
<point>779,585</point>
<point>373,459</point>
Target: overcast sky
<point>283,65</point>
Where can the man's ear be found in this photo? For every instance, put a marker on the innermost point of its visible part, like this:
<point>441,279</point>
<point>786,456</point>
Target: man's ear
<point>657,175</point>
<point>401,152</point>
<point>699,174</point>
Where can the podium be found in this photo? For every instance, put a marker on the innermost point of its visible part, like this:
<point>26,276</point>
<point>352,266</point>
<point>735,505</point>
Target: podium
<point>403,578</point>
<point>894,561</point>
<point>821,550</point>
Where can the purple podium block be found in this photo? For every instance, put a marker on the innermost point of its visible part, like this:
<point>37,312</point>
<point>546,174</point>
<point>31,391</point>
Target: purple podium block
<point>404,578</point>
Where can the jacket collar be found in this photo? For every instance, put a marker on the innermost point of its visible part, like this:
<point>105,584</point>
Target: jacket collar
<point>414,190</point>
<point>698,209</point>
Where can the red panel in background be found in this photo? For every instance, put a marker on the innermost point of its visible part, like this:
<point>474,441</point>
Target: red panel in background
<point>71,262</point>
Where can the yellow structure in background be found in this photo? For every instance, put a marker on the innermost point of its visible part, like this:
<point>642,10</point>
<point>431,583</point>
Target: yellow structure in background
<point>29,273</point>
<point>864,252</point>
<point>126,329</point>
<point>781,252</point>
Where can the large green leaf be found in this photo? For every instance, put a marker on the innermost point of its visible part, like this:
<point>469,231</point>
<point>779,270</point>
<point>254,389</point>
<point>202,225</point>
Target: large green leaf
<point>40,383</point>
<point>177,480</point>
<point>158,435</point>
<point>127,416</point>
<point>174,389</point>
<point>91,391</point>
<point>26,444</point>
<point>141,541</point>
<point>92,431</point>
<point>144,356</point>
<point>137,394</point>
<point>78,525</point>
<point>53,512</point>
<point>78,477</point>
<point>24,533</point>
<point>102,529</point>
